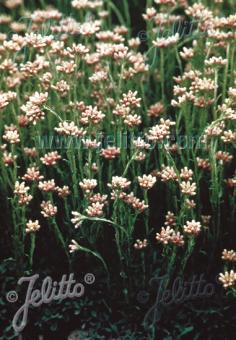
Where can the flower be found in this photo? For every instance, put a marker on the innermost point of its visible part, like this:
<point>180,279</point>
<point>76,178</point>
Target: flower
<point>63,192</point>
<point>32,108</point>
<point>170,219</point>
<point>228,279</point>
<point>165,235</point>
<point>135,202</point>
<point>91,115</point>
<point>188,188</point>
<point>119,183</point>
<point>32,174</point>
<point>156,110</point>
<point>229,255</point>
<point>50,158</point>
<point>32,226</point>
<point>186,174</point>
<point>11,134</point>
<point>47,186</point>
<point>192,227</point>
<point>110,153</point>
<point>95,209</point>
<point>166,42</point>
<point>78,219</point>
<point>160,131</point>
<point>177,239</point>
<point>74,246</point>
<point>147,181</point>
<point>8,158</point>
<point>48,209</point>
<point>70,129</point>
<point>98,198</point>
<point>140,244</point>
<point>168,173</point>
<point>88,184</point>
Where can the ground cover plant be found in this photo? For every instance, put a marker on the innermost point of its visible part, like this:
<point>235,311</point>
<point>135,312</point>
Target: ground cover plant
<point>117,161</point>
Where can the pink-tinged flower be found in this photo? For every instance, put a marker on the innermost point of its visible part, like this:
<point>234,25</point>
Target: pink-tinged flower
<point>203,163</point>
<point>190,204</point>
<point>32,226</point>
<point>50,158</point>
<point>192,227</point>
<point>32,174</point>
<point>6,98</point>
<point>95,209</point>
<point>74,246</point>
<point>165,235</point>
<point>160,131</point>
<point>168,174</point>
<point>86,4</point>
<point>77,219</point>
<point>132,120</point>
<point>8,158</point>
<point>186,174</point>
<point>48,209</point>
<point>229,136</point>
<point>70,129</point>
<point>119,183</point>
<point>139,245</point>
<point>228,279</point>
<point>188,188</point>
<point>91,115</point>
<point>23,121</point>
<point>88,184</point>
<point>229,255</point>
<point>156,110</point>
<point>170,219</point>
<point>130,99</point>
<point>31,152</point>
<point>135,202</point>
<point>24,199</point>
<point>66,67</point>
<point>223,157</point>
<point>21,188</point>
<point>98,198</point>
<point>47,186</point>
<point>166,42</point>
<point>146,181</point>
<point>90,144</point>
<point>11,134</point>
<point>177,239</point>
<point>110,153</point>
<point>63,192</point>
<point>150,13</point>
